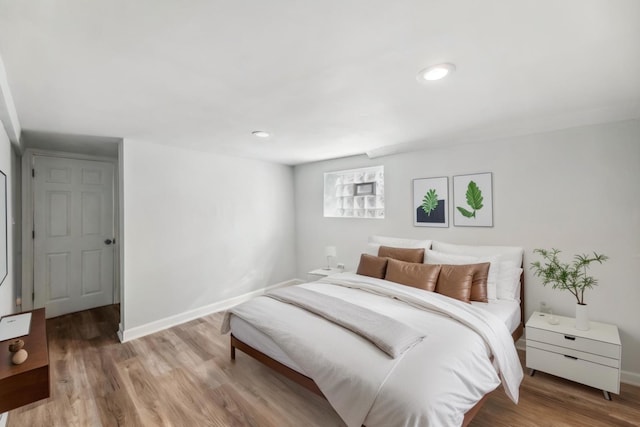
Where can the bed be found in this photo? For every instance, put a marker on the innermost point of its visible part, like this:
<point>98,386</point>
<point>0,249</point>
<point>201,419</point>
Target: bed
<point>366,386</point>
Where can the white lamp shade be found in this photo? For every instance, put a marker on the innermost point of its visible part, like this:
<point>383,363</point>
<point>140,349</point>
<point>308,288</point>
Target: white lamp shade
<point>330,251</point>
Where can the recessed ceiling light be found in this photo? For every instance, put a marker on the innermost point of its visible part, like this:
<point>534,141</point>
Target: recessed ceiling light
<point>261,134</point>
<point>436,72</point>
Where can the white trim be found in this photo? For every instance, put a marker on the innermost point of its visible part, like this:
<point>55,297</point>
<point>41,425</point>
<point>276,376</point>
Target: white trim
<point>630,378</point>
<point>27,218</point>
<point>120,232</point>
<point>27,227</point>
<point>3,419</point>
<point>177,319</point>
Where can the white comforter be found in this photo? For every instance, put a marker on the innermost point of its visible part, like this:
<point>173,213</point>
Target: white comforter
<point>432,384</point>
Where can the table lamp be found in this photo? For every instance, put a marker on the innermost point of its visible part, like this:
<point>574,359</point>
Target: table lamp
<point>329,252</point>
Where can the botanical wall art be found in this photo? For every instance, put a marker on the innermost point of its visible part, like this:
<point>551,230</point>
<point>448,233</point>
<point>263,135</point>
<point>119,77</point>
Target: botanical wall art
<point>473,200</point>
<point>431,202</point>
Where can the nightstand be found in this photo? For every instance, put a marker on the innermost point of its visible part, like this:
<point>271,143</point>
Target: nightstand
<point>319,273</point>
<point>28,382</point>
<point>588,357</point>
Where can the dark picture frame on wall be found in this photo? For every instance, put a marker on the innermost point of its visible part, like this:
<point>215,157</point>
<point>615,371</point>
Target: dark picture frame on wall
<point>4,244</point>
<point>473,200</point>
<point>365,189</point>
<point>431,202</point>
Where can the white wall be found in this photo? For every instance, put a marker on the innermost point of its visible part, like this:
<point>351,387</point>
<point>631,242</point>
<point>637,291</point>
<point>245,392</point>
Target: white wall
<point>8,113</point>
<point>577,190</point>
<point>200,228</point>
<point>7,289</point>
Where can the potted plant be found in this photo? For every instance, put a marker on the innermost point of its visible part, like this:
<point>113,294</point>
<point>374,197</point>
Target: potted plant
<point>572,277</point>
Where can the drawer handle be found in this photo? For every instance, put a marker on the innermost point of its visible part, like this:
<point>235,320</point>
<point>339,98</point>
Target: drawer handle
<point>570,357</point>
<point>569,337</point>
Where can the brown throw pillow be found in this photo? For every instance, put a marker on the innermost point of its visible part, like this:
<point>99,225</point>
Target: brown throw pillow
<point>422,276</point>
<point>455,281</point>
<point>479,283</point>
<point>402,254</point>
<point>372,266</point>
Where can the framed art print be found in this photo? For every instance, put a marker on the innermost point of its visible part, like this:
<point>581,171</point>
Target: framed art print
<point>365,189</point>
<point>473,200</point>
<point>4,242</point>
<point>431,202</point>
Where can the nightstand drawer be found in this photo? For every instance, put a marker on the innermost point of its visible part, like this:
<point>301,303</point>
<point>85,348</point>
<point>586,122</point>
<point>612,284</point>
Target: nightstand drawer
<point>574,342</point>
<point>589,357</point>
<point>578,370</point>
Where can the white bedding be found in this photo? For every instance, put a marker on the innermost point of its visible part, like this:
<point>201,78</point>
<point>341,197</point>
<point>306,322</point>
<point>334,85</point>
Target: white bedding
<point>386,333</point>
<point>507,311</point>
<point>435,383</point>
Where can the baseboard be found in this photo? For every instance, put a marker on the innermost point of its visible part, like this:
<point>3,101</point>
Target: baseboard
<point>3,419</point>
<point>625,376</point>
<point>630,378</point>
<point>177,319</point>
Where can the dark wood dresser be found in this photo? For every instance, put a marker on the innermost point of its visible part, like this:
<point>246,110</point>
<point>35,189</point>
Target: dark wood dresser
<point>28,382</point>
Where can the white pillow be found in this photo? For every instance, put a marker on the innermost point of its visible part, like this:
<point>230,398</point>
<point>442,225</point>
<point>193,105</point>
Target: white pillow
<point>509,281</point>
<point>372,249</point>
<point>396,242</point>
<point>509,257</point>
<point>434,257</point>
<point>504,253</point>
<point>518,285</point>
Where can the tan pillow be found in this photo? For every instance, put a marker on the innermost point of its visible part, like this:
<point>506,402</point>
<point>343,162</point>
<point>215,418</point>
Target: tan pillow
<point>479,283</point>
<point>402,254</point>
<point>422,276</point>
<point>455,281</point>
<point>372,266</point>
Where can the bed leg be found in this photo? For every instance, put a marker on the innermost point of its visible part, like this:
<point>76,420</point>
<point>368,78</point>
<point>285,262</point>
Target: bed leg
<point>232,351</point>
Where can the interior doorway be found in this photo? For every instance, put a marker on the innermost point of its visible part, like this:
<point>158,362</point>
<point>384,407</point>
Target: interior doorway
<point>70,212</point>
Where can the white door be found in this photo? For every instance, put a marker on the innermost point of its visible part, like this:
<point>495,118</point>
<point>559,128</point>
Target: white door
<point>73,234</point>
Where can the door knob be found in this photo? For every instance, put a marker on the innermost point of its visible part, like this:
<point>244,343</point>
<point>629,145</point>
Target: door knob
<point>109,241</point>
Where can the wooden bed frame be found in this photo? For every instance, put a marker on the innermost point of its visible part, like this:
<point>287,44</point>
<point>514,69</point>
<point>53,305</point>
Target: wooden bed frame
<point>309,384</point>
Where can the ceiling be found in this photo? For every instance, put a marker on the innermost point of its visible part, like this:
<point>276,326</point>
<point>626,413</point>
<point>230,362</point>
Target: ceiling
<point>327,78</point>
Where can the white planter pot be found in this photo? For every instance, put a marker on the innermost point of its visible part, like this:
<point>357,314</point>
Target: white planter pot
<point>582,317</point>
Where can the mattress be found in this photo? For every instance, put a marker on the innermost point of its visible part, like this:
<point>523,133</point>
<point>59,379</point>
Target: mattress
<point>507,311</point>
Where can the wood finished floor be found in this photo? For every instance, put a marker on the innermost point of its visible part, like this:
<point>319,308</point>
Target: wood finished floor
<point>183,377</point>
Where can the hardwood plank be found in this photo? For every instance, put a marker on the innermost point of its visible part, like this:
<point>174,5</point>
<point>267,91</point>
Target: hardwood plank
<point>144,392</point>
<point>114,409</point>
<point>193,409</point>
<point>183,377</point>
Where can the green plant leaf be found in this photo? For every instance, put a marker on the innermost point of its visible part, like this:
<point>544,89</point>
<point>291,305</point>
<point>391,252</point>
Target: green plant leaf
<point>474,196</point>
<point>466,213</point>
<point>571,277</point>
<point>430,202</point>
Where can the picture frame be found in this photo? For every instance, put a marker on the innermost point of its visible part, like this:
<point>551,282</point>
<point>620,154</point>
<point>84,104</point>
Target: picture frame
<point>4,244</point>
<point>431,202</point>
<point>473,200</point>
<point>365,189</point>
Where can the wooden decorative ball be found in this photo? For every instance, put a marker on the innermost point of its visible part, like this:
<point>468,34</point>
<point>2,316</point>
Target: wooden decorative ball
<point>20,356</point>
<point>16,345</point>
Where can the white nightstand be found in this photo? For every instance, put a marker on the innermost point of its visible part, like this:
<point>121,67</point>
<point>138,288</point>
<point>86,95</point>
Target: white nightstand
<point>589,357</point>
<point>319,273</point>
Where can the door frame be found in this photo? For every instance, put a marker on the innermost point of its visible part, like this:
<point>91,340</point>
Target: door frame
<point>28,159</point>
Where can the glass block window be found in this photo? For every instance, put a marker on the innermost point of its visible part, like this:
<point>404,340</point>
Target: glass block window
<point>354,193</point>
